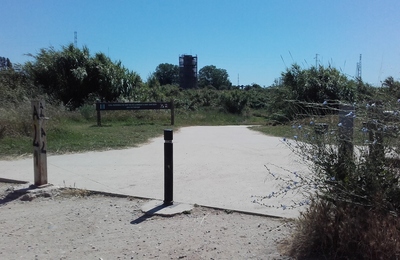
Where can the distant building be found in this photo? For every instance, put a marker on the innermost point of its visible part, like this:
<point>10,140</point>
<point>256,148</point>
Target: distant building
<point>187,71</point>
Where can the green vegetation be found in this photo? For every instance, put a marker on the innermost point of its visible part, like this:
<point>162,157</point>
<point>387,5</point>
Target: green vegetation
<point>354,192</point>
<point>69,131</point>
<point>73,76</point>
<point>167,74</point>
<point>354,211</point>
<point>213,77</point>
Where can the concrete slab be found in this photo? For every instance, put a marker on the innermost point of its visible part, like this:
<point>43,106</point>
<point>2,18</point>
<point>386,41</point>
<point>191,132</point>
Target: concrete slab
<point>157,207</point>
<point>215,166</point>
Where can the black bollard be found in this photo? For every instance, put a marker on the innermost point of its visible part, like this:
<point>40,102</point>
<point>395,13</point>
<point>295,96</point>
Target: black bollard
<point>168,167</point>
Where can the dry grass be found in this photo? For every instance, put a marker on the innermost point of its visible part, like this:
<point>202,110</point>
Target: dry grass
<point>355,214</point>
<point>73,192</point>
<point>328,231</point>
<point>15,121</point>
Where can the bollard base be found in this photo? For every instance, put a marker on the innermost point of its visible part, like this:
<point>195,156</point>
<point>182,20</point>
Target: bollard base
<point>168,203</point>
<point>157,207</point>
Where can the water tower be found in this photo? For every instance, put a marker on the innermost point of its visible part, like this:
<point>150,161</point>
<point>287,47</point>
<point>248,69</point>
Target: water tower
<point>187,71</point>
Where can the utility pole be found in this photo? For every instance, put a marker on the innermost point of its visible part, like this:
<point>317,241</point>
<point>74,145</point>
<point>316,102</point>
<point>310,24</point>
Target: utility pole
<point>76,39</point>
<point>316,60</point>
<point>358,71</point>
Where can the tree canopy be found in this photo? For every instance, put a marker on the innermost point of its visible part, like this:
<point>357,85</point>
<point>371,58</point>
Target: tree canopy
<point>72,75</point>
<point>318,84</point>
<point>5,63</point>
<point>211,76</point>
<point>167,74</point>
<point>313,85</point>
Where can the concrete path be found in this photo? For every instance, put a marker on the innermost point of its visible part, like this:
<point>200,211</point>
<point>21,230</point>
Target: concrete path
<point>217,166</point>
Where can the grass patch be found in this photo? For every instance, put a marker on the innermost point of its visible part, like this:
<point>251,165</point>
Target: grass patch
<point>275,130</point>
<point>73,192</point>
<point>78,137</point>
<point>213,117</point>
<point>15,146</point>
<point>73,136</point>
<point>289,130</point>
<point>69,132</point>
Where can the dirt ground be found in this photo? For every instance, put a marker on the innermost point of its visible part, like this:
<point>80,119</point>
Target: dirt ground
<point>76,224</point>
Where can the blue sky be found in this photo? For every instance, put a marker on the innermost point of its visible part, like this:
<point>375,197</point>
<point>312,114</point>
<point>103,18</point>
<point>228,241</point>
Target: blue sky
<point>255,39</point>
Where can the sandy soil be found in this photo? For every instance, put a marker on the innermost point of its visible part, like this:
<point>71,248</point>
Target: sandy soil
<point>73,224</point>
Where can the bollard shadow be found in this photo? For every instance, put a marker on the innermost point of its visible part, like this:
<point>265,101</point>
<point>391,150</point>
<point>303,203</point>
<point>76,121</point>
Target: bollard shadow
<point>150,213</point>
<point>16,194</point>
<point>102,125</point>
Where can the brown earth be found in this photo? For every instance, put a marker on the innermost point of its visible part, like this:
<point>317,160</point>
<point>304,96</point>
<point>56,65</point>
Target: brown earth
<point>63,223</point>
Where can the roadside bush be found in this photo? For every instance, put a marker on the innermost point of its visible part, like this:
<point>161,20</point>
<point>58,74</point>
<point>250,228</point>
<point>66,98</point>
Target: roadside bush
<point>354,184</point>
<point>72,75</point>
<point>258,98</point>
<point>190,100</point>
<point>234,101</point>
<point>16,121</point>
<point>345,231</point>
<point>193,99</point>
<point>88,111</point>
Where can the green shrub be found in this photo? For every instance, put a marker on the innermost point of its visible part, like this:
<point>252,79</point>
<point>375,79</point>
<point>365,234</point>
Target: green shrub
<point>16,121</point>
<point>234,101</point>
<point>354,182</point>
<point>88,111</point>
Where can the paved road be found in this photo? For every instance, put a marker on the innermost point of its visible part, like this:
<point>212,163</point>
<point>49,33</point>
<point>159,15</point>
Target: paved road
<point>218,166</point>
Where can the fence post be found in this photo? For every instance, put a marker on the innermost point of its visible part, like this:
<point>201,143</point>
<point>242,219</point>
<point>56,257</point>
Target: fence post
<point>168,167</point>
<point>375,127</point>
<point>39,143</point>
<point>98,113</point>
<point>346,145</point>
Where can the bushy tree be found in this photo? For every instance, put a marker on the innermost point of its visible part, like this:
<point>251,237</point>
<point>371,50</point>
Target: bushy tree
<point>234,101</point>
<point>313,85</point>
<point>71,75</point>
<point>318,84</point>
<point>391,87</point>
<point>355,209</point>
<point>258,97</point>
<point>167,74</point>
<point>15,86</point>
<point>211,76</point>
<point>5,63</point>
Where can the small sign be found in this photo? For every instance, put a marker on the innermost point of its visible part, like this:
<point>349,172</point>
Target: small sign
<point>103,106</point>
<point>132,106</point>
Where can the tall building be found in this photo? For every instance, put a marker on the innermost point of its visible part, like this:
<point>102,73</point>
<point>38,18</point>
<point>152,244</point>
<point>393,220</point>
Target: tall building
<point>187,71</point>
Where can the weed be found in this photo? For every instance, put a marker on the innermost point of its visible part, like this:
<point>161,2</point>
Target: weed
<point>228,211</point>
<point>74,192</point>
<point>87,111</point>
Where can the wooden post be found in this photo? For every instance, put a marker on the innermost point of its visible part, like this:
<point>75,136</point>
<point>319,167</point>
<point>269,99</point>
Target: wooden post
<point>346,145</point>
<point>172,112</point>
<point>98,113</point>
<point>39,143</point>
<point>375,127</point>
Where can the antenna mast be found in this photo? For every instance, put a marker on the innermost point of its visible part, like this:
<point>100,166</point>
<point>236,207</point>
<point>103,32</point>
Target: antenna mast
<point>358,72</point>
<point>316,60</point>
<point>75,39</point>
